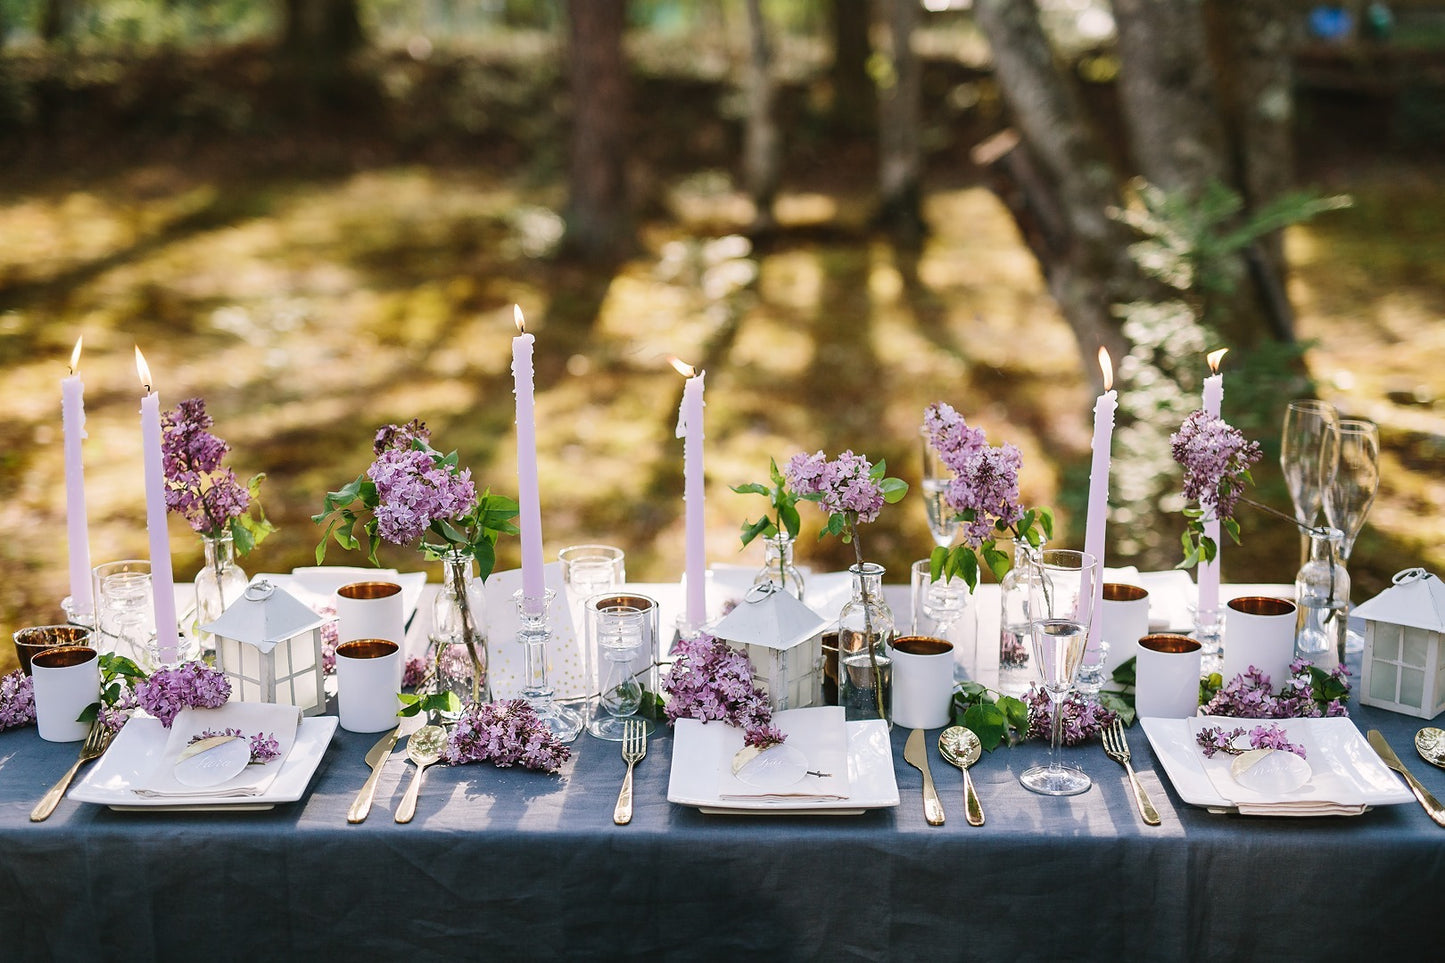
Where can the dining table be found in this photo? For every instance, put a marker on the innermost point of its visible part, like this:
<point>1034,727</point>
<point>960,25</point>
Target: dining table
<point>505,863</point>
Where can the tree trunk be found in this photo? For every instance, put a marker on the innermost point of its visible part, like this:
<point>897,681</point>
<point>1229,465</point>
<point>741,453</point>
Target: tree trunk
<point>762,146</point>
<point>899,154</point>
<point>55,20</point>
<point>853,95</point>
<point>599,223</point>
<point>328,30</point>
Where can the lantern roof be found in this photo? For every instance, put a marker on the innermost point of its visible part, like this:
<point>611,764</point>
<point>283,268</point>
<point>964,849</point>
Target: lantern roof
<point>770,617</point>
<point>264,616</point>
<point>1417,600</point>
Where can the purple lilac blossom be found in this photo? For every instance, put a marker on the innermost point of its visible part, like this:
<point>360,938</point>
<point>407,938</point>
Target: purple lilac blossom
<point>711,680</point>
<point>416,670</point>
<point>17,700</point>
<point>192,685</point>
<point>1215,739</point>
<point>1083,718</point>
<point>198,489</point>
<point>413,490</point>
<point>1249,696</point>
<point>843,483</point>
<point>985,481</point>
<point>264,745</point>
<point>504,733</point>
<point>1214,456</point>
<point>405,436</point>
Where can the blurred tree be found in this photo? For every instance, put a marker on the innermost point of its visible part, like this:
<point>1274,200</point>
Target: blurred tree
<point>599,216</point>
<point>762,148</point>
<point>899,75</point>
<point>56,19</point>
<point>327,30</point>
<point>853,95</point>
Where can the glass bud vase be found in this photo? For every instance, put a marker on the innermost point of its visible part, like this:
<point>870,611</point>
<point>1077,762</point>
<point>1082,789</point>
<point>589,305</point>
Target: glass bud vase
<point>865,648</point>
<point>778,566</point>
<point>1322,597</point>
<point>459,631</point>
<point>219,583</point>
<point>1015,638</point>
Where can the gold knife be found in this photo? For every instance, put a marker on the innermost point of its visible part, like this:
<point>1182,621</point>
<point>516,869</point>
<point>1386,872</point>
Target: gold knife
<point>915,753</point>
<point>376,759</point>
<point>1432,805</point>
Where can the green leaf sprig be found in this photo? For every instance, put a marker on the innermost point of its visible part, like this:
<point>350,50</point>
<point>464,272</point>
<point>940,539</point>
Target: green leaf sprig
<point>784,503</point>
<point>963,561</point>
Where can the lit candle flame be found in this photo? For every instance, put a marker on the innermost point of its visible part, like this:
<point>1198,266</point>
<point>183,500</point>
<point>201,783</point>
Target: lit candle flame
<point>1106,365</point>
<point>517,316</point>
<point>1214,358</point>
<point>75,355</point>
<point>143,369</point>
<point>682,367</point>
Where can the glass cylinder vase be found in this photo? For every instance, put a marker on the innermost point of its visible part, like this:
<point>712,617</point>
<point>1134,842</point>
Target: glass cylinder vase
<point>219,583</point>
<point>778,566</point>
<point>459,631</point>
<point>1015,637</point>
<point>1322,599</point>
<point>865,653</point>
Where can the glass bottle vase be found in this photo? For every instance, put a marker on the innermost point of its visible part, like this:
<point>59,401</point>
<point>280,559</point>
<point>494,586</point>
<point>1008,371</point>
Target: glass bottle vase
<point>1322,599</point>
<point>778,566</point>
<point>1015,638</point>
<point>219,583</point>
<point>865,648</point>
<point>459,631</point>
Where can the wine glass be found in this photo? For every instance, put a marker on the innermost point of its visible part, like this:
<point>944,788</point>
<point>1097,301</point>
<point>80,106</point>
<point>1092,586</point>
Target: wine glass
<point>936,476</point>
<point>1348,500</point>
<point>1309,451</point>
<point>1061,601</point>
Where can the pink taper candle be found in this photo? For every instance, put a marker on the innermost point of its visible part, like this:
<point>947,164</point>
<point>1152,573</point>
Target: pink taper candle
<point>77,527</point>
<point>689,428</point>
<point>1209,571</point>
<point>528,493</point>
<point>162,581</point>
<point>1098,515</point>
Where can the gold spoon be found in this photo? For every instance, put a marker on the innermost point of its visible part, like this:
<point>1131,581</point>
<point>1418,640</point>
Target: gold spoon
<point>960,746</point>
<point>423,747</point>
<point>1430,744</point>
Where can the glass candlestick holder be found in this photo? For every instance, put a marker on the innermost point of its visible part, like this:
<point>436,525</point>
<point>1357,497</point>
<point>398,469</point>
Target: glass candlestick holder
<point>535,613</point>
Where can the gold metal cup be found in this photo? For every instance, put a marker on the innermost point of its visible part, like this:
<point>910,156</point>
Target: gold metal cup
<point>36,639</point>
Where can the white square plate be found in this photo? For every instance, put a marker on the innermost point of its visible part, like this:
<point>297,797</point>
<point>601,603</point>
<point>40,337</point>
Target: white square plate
<point>1348,773</point>
<point>699,758</point>
<point>133,756</point>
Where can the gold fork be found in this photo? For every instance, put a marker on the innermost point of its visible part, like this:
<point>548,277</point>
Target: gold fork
<point>96,742</point>
<point>634,748</point>
<point>1116,747</point>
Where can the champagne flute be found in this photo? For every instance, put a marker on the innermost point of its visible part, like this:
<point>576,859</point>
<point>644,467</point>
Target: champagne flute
<point>1348,500</point>
<point>1308,454</point>
<point>936,478</point>
<point>1061,600</point>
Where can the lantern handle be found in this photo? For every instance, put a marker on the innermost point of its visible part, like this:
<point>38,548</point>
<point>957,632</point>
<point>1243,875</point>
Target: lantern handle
<point>760,591</point>
<point>260,590</point>
<point>1409,575</point>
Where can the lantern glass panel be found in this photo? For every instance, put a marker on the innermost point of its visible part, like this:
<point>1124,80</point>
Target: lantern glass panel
<point>1417,647</point>
<point>1387,641</point>
<point>1412,687</point>
<point>1382,681</point>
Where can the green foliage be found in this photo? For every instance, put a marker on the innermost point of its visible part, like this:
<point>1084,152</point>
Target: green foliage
<point>433,702</point>
<point>993,717</point>
<point>251,528</point>
<point>784,504</point>
<point>118,675</point>
<point>1121,700</point>
<point>1035,527</point>
<point>845,524</point>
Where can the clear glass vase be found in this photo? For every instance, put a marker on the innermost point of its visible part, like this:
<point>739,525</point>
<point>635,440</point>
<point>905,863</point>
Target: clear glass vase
<point>219,583</point>
<point>1322,599</point>
<point>778,566</point>
<point>1015,637</point>
<point>459,631</point>
<point>865,648</point>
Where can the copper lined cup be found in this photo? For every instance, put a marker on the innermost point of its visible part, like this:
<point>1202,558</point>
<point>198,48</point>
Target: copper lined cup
<point>370,610</point>
<point>1167,676</point>
<point>368,677</point>
<point>67,680</point>
<point>1123,592</point>
<point>922,681</point>
<point>30,641</point>
<point>1259,631</point>
<point>369,590</point>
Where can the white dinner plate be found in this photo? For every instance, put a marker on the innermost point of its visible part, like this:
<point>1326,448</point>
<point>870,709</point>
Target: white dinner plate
<point>1347,776</point>
<point>132,758</point>
<point>699,756</point>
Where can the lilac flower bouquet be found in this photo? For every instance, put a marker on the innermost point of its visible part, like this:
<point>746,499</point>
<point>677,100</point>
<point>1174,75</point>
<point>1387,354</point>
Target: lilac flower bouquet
<point>17,701</point>
<point>1309,693</point>
<point>1216,460</point>
<point>506,733</point>
<point>984,495</point>
<point>191,685</point>
<point>850,489</point>
<point>1214,739</point>
<point>712,680</point>
<point>202,491</point>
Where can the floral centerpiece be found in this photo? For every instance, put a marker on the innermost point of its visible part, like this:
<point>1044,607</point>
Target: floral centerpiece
<point>852,491</point>
<point>17,700</point>
<point>997,719</point>
<point>782,523</point>
<point>984,496</point>
<point>712,680</point>
<point>506,733</point>
<point>413,493</point>
<point>1216,459</point>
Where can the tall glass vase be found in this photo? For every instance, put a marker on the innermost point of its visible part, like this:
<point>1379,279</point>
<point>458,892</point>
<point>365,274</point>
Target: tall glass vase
<point>778,566</point>
<point>459,631</point>
<point>1322,599</point>
<point>219,583</point>
<point>1015,637</point>
<point>865,648</point>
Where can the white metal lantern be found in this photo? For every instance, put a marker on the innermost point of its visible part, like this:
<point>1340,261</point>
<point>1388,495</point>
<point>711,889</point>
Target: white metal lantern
<point>269,645</point>
<point>1403,663</point>
<point>783,639</point>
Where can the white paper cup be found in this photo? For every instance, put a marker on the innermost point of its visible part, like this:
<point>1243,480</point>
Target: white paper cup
<point>370,610</point>
<point>67,679</point>
<point>1166,682</point>
<point>1259,632</point>
<point>922,682</point>
<point>368,677</point>
<point>1123,621</point>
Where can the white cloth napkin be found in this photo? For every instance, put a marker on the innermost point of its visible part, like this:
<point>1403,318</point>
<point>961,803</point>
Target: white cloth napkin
<point>1325,794</point>
<point>277,721</point>
<point>817,743</point>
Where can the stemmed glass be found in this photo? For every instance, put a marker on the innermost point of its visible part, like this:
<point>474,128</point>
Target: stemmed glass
<point>1348,499</point>
<point>1309,451</point>
<point>936,477</point>
<point>1061,607</point>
